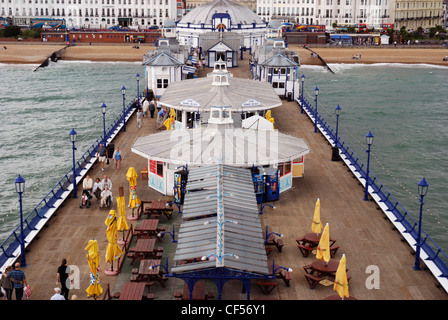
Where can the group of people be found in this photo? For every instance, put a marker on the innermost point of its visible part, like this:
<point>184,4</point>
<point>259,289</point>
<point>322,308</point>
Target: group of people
<point>146,109</point>
<point>13,279</point>
<point>103,156</point>
<point>101,189</point>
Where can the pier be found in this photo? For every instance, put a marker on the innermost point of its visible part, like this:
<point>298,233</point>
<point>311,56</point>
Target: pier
<point>364,235</point>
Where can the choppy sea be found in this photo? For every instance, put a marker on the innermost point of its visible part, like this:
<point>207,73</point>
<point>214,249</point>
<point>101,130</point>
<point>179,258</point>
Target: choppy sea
<point>405,107</point>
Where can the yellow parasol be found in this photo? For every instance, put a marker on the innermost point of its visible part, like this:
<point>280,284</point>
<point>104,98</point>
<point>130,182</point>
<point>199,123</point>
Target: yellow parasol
<point>113,251</point>
<point>122,222</point>
<point>316,225</point>
<point>323,248</point>
<point>93,259</point>
<point>131,175</point>
<point>341,281</point>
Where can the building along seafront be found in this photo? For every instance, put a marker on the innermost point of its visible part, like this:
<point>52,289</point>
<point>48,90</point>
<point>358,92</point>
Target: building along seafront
<point>379,262</point>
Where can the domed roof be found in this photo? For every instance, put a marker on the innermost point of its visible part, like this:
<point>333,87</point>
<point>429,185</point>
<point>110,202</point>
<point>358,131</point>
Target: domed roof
<point>239,14</point>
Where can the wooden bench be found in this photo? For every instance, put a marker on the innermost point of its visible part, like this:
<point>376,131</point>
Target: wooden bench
<point>333,250</point>
<point>305,250</point>
<point>308,268</point>
<point>279,244</point>
<point>266,287</point>
<point>313,280</point>
<point>287,278</point>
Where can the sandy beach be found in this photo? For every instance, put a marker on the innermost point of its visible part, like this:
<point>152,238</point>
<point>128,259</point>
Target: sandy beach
<point>35,53</point>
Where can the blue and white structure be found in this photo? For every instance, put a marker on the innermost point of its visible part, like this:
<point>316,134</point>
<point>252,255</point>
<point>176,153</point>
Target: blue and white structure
<point>164,65</point>
<point>273,63</point>
<point>221,16</point>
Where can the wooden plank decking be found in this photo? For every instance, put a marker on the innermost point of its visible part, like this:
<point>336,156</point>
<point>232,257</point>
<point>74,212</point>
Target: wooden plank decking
<point>366,238</point>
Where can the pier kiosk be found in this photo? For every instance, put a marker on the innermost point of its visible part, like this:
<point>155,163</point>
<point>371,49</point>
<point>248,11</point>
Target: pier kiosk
<point>273,63</point>
<point>217,104</point>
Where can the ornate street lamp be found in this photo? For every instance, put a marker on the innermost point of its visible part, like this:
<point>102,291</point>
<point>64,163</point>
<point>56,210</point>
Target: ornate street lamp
<point>20,188</point>
<point>422,190</point>
<point>316,93</point>
<point>73,140</point>
<point>123,92</point>
<point>369,140</point>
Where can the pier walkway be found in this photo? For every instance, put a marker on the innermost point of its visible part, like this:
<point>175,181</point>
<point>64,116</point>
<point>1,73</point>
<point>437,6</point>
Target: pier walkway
<point>363,234</point>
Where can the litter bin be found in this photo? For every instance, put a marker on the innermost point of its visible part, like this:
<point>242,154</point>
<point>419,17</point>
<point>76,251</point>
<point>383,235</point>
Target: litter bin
<point>335,154</point>
<point>110,150</point>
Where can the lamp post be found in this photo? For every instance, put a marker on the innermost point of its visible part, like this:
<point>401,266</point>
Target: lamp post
<point>73,140</point>
<point>369,140</point>
<point>422,190</point>
<point>123,92</point>
<point>303,80</point>
<point>103,109</point>
<point>316,93</point>
<point>335,149</point>
<point>138,93</point>
<point>20,188</point>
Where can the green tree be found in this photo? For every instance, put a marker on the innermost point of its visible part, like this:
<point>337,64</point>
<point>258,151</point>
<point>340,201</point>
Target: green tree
<point>11,31</point>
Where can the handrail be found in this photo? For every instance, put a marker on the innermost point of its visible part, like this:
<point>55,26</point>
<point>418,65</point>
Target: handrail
<point>59,192</point>
<point>401,215</point>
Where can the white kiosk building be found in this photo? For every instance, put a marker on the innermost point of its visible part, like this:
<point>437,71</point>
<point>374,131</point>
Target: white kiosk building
<point>221,16</point>
<point>273,63</point>
<point>217,132</point>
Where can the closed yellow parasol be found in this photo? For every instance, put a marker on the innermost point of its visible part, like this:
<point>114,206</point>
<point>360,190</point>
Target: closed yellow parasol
<point>316,225</point>
<point>323,248</point>
<point>93,259</point>
<point>113,251</point>
<point>131,175</point>
<point>122,222</point>
<point>341,281</point>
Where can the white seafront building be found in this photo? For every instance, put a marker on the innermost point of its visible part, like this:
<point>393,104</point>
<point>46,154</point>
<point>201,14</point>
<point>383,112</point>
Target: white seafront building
<point>145,13</point>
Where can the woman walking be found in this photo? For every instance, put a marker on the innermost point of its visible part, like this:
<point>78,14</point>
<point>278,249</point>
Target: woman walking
<point>117,158</point>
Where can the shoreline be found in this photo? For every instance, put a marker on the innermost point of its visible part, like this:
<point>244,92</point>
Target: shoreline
<point>36,53</point>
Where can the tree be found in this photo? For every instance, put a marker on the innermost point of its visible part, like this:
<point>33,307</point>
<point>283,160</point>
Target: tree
<point>11,31</point>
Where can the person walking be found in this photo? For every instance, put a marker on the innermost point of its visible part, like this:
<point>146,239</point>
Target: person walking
<point>102,155</point>
<point>145,108</point>
<point>19,280</point>
<point>117,158</point>
<point>139,118</point>
<point>6,283</point>
<point>61,277</point>
<point>106,183</point>
<point>152,108</point>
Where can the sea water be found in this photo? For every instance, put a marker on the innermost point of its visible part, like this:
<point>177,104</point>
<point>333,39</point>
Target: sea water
<point>38,109</point>
<point>405,107</point>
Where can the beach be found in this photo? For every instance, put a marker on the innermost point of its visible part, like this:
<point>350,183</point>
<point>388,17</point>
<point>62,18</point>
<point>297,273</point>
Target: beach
<point>36,53</point>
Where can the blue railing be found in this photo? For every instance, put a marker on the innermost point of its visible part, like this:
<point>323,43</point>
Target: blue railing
<point>60,191</point>
<point>410,225</point>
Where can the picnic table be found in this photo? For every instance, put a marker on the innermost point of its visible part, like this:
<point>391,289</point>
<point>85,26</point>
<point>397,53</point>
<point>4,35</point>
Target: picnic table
<point>144,249</point>
<point>310,241</point>
<point>156,208</point>
<point>318,271</point>
<point>147,273</point>
<point>133,291</point>
<point>148,228</point>
<point>198,291</point>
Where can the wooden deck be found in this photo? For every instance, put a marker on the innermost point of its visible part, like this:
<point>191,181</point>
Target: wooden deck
<point>361,231</point>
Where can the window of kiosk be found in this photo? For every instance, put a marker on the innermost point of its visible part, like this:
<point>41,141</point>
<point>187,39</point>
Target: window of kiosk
<point>280,169</point>
<point>225,114</point>
<point>287,168</point>
<point>215,114</point>
<point>160,169</point>
<point>179,115</point>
